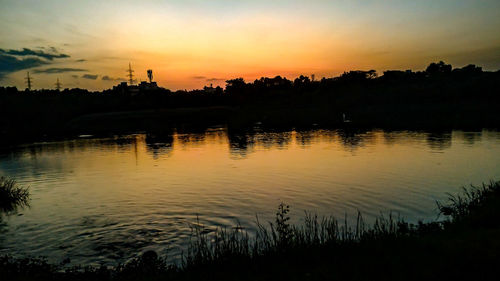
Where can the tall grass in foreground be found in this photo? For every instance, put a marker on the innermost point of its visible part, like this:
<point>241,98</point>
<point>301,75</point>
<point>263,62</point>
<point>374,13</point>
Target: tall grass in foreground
<point>12,195</point>
<point>282,238</point>
<point>476,206</point>
<point>472,199</point>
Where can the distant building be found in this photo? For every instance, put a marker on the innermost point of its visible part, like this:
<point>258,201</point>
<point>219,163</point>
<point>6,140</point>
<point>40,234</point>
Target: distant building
<point>210,89</point>
<point>124,88</point>
<point>147,86</point>
<point>130,89</point>
<point>121,88</point>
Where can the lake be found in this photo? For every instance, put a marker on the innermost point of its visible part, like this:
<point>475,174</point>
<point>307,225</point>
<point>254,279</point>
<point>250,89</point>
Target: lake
<point>106,200</point>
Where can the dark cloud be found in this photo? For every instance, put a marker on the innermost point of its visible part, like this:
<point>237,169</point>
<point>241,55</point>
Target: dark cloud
<point>15,60</point>
<point>199,77</point>
<point>90,76</point>
<point>81,60</point>
<point>74,76</point>
<point>42,54</point>
<point>9,64</point>
<point>215,79</point>
<point>107,78</point>
<point>58,70</point>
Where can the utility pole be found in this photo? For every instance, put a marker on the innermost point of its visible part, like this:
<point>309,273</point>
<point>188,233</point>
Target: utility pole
<point>130,74</point>
<point>28,81</point>
<point>58,85</point>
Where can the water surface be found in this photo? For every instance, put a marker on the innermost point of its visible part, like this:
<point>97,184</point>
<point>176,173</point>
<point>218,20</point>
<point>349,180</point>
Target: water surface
<point>105,200</point>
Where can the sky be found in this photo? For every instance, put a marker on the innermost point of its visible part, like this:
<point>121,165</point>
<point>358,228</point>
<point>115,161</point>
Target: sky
<point>192,43</point>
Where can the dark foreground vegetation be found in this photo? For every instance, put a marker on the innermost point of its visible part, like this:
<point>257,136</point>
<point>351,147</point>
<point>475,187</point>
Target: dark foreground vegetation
<point>439,97</point>
<point>465,246</point>
<point>12,195</point>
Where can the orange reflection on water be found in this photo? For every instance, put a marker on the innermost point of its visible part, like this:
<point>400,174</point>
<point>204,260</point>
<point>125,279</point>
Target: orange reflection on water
<point>142,191</point>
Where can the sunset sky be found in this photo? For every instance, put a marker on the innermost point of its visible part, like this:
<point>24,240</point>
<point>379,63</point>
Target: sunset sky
<point>192,43</point>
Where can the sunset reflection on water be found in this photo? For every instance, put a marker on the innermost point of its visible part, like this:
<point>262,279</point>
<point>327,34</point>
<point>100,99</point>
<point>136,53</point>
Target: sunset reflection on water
<point>99,200</point>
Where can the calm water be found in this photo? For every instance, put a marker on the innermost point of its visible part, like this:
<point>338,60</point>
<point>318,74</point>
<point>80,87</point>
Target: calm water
<point>106,200</point>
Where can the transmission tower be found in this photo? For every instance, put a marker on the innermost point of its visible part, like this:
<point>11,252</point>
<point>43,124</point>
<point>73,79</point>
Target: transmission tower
<point>130,75</point>
<point>58,85</point>
<point>28,81</point>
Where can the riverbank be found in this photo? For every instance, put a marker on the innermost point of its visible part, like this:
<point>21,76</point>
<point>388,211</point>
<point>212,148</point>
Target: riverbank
<point>464,246</point>
<point>458,99</point>
<point>271,117</point>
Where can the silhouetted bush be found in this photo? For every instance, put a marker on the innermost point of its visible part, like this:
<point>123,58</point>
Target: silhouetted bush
<point>12,195</point>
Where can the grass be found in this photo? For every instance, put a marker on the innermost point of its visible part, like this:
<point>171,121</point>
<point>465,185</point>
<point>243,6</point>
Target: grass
<point>463,246</point>
<point>12,195</point>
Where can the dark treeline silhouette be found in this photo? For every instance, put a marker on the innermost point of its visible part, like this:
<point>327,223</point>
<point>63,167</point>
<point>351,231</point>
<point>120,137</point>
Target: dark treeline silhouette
<point>440,97</point>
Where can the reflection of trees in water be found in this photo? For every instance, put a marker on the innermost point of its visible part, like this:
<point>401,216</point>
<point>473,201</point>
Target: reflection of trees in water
<point>278,140</point>
<point>38,158</point>
<point>120,143</point>
<point>436,140</point>
<point>398,137</point>
<point>304,138</point>
<point>470,138</point>
<point>439,140</point>
<point>240,143</point>
<point>159,144</point>
<point>191,135</point>
<point>352,139</point>
<point>191,138</point>
<point>243,142</point>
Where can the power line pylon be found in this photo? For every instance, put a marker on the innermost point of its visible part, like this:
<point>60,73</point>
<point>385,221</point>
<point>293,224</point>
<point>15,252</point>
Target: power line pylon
<point>28,81</point>
<point>58,85</point>
<point>130,75</point>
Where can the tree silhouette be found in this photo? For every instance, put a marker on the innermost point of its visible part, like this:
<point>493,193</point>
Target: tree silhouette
<point>438,68</point>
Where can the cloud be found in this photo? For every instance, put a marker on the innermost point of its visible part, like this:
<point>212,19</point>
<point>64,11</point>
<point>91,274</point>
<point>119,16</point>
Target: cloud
<point>208,79</point>
<point>42,54</point>
<point>215,79</point>
<point>14,60</point>
<point>107,78</point>
<point>58,70</point>
<point>74,76</point>
<point>90,76</point>
<point>81,60</point>
<point>9,64</point>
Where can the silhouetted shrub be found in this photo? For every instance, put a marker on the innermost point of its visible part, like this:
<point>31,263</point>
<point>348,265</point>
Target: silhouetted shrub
<point>12,195</point>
